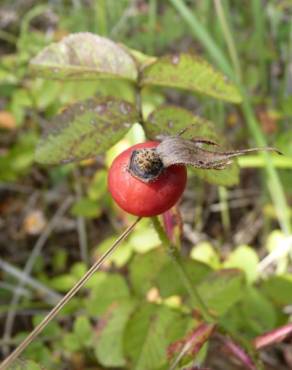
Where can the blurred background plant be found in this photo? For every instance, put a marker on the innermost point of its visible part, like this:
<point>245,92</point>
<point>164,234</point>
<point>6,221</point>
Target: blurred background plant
<point>55,221</point>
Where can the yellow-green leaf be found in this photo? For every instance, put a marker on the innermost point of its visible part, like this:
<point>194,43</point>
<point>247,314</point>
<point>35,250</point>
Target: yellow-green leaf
<point>190,72</point>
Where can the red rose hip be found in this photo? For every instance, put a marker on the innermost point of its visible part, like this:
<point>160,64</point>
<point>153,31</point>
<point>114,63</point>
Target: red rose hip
<point>140,185</point>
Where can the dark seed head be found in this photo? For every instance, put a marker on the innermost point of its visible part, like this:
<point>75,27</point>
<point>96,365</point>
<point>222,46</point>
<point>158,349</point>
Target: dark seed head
<point>145,164</point>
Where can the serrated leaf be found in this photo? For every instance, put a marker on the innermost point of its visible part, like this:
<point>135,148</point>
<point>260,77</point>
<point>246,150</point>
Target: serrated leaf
<point>169,120</point>
<point>227,177</point>
<point>84,56</point>
<point>149,332</point>
<point>85,129</point>
<point>222,289</point>
<point>190,72</point>
<point>109,342</point>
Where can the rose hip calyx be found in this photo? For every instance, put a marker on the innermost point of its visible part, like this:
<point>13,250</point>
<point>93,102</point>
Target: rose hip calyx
<point>145,164</point>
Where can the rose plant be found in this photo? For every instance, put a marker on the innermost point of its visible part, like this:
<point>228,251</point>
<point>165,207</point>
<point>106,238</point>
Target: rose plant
<point>148,178</point>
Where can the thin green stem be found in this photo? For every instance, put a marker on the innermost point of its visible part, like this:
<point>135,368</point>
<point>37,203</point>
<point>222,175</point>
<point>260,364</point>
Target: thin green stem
<point>257,161</point>
<point>177,261</point>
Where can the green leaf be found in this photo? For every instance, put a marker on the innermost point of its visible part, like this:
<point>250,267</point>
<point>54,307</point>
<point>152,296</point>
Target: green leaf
<point>284,142</point>
<point>86,207</point>
<point>109,342</point>
<point>109,291</point>
<point>246,259</point>
<point>170,283</point>
<point>169,120</point>
<point>62,283</point>
<point>252,315</point>
<point>190,72</point>
<point>18,159</point>
<point>222,289</point>
<point>40,353</point>
<point>71,342</point>
<point>278,289</point>
<point>258,312</point>
<point>85,129</point>
<point>83,331</point>
<point>227,177</point>
<point>84,56</point>
<point>140,58</point>
<point>51,330</point>
<point>98,186</point>
<point>149,332</point>
<point>206,253</point>
<point>144,238</point>
<point>26,365</point>
<point>121,255</point>
<point>144,269</point>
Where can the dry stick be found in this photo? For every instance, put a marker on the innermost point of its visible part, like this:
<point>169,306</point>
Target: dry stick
<point>53,313</point>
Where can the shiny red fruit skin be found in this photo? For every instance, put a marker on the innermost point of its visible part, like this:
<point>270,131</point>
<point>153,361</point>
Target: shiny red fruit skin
<point>145,199</point>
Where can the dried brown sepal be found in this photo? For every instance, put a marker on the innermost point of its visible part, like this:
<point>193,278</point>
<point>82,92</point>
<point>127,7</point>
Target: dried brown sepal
<point>176,150</point>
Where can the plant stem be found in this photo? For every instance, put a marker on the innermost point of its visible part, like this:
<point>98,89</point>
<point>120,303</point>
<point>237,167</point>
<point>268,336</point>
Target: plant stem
<point>53,313</point>
<point>178,263</point>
